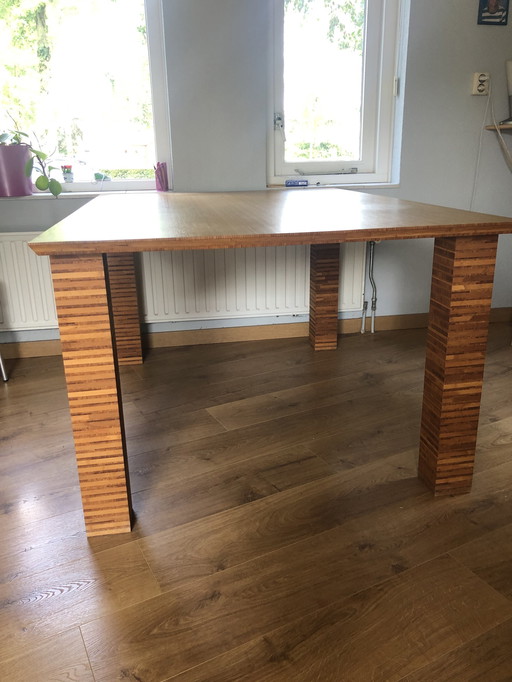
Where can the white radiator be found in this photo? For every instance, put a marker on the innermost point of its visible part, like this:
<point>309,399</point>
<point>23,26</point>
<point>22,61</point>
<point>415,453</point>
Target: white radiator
<point>237,283</point>
<point>26,292</point>
<point>184,285</point>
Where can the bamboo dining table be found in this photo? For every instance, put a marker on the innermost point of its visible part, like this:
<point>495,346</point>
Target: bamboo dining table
<point>93,271</point>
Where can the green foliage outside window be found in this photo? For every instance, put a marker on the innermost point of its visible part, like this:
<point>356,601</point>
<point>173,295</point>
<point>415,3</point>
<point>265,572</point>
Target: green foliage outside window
<point>346,20</point>
<point>40,82</point>
<point>322,105</point>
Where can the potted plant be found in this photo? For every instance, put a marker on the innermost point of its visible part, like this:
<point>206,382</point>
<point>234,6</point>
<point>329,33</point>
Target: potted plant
<point>14,156</point>
<point>18,158</point>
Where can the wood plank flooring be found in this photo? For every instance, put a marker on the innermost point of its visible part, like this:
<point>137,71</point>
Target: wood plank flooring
<point>281,532</point>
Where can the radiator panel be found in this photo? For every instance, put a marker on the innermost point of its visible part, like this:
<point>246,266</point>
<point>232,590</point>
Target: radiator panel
<point>237,283</point>
<point>184,285</point>
<point>26,291</point>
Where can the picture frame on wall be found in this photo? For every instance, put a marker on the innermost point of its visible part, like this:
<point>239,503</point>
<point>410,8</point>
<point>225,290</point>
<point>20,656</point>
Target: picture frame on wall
<point>493,12</point>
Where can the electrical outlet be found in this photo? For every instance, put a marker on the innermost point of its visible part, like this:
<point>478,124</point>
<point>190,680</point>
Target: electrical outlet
<point>481,81</point>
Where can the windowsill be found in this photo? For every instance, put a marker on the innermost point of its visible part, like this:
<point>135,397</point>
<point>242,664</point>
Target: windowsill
<point>341,185</point>
<point>40,196</point>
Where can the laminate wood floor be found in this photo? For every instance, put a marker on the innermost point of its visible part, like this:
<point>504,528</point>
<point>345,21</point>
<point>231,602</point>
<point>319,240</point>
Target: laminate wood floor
<point>281,532</point>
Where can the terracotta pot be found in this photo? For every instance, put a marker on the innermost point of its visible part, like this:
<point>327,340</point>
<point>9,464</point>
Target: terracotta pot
<point>13,181</point>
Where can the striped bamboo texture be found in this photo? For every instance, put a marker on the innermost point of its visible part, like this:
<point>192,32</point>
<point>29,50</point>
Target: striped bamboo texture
<point>323,302</point>
<point>462,281</point>
<point>173,221</point>
<point>90,364</point>
<point>125,307</point>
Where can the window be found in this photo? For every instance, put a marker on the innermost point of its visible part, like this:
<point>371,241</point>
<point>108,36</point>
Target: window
<point>75,76</point>
<point>335,85</point>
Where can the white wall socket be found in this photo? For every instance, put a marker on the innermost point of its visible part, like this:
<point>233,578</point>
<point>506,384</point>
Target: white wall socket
<point>481,81</point>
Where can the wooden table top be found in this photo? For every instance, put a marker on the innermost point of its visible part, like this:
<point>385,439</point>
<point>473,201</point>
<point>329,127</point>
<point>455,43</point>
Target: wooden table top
<point>151,221</point>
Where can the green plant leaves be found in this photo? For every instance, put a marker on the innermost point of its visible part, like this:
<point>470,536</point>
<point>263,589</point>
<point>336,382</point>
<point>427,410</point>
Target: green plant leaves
<point>29,167</point>
<point>42,183</point>
<point>55,187</point>
<point>14,136</point>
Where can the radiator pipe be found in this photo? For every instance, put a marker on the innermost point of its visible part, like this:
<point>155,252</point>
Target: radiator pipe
<point>363,315</point>
<point>371,251</point>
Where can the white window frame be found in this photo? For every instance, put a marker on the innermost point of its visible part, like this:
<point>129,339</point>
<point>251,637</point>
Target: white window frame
<point>380,89</point>
<point>160,106</point>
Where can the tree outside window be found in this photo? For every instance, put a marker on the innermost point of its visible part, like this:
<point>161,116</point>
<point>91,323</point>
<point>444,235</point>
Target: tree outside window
<point>75,76</point>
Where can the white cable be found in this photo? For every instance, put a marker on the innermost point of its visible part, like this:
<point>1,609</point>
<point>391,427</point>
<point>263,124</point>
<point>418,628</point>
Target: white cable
<point>506,151</point>
<point>479,154</point>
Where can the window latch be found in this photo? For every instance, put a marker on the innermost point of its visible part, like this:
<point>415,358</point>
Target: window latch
<point>279,122</point>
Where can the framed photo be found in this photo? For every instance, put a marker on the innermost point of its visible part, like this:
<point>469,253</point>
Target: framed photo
<point>493,12</point>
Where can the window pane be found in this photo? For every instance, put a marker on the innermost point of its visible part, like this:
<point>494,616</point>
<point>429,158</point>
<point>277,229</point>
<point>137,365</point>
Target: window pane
<point>323,67</point>
<point>75,75</point>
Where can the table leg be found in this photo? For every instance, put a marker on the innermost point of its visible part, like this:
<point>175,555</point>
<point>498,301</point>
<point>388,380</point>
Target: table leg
<point>90,364</point>
<point>323,303</point>
<point>462,280</point>
<point>125,307</point>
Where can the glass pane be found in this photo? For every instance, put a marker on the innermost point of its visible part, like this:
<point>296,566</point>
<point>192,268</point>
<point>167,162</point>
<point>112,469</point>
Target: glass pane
<point>323,66</point>
<point>74,75</point>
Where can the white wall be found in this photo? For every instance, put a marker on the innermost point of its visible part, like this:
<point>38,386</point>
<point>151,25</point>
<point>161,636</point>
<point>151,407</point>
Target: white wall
<point>442,124</point>
<point>38,212</point>
<point>217,66</point>
<point>217,63</point>
<point>217,79</point>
